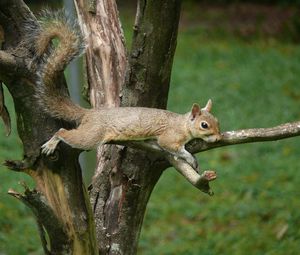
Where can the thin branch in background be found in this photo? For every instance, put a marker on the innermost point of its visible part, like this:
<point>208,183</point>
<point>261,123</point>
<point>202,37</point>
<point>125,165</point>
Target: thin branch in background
<point>4,114</point>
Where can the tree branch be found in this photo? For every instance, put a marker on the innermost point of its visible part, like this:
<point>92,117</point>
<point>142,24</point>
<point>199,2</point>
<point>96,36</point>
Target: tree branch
<point>4,114</point>
<point>253,135</point>
<point>282,131</point>
<point>45,216</point>
<point>201,181</point>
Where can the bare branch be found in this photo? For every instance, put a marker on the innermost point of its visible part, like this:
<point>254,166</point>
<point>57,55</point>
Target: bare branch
<point>201,181</point>
<point>45,216</point>
<point>4,114</point>
<point>249,136</point>
<point>253,135</point>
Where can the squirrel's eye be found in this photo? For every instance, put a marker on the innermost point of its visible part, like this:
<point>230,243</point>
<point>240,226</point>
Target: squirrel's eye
<point>204,125</point>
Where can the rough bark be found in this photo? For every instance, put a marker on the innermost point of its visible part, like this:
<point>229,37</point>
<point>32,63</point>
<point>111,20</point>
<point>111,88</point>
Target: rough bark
<point>124,178</point>
<point>59,201</point>
<point>105,54</point>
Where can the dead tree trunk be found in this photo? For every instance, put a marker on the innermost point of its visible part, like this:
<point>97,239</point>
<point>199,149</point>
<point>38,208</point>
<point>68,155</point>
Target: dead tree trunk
<point>126,174</point>
<point>124,177</point>
<point>59,202</point>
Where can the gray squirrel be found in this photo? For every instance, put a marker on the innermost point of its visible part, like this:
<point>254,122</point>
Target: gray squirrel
<point>99,126</point>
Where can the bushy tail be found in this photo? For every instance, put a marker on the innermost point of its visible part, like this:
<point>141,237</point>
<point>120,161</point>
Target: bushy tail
<point>70,44</point>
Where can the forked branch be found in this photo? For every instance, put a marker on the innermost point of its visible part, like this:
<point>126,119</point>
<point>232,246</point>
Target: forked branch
<point>201,181</point>
<point>45,217</point>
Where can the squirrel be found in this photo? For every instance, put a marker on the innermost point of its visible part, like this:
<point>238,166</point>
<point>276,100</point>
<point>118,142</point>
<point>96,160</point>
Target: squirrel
<point>99,126</point>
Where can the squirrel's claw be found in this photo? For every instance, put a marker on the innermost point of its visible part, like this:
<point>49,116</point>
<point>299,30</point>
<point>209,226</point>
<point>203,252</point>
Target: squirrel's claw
<point>46,150</point>
<point>49,147</point>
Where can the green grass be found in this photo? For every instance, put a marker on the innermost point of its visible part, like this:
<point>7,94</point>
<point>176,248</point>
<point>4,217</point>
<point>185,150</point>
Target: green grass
<point>256,194</point>
<point>18,231</point>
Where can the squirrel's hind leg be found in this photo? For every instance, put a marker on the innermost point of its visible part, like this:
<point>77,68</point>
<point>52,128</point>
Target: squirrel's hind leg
<point>50,146</point>
<point>78,138</point>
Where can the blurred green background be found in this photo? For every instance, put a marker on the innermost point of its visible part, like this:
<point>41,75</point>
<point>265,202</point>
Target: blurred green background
<point>246,57</point>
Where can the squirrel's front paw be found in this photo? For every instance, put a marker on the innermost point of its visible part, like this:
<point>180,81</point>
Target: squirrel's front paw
<point>209,175</point>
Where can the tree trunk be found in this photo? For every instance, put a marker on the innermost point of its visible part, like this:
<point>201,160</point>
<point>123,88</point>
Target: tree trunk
<point>60,201</point>
<point>124,177</point>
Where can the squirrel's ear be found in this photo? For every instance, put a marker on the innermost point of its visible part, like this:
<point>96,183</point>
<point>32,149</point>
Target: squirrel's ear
<point>195,111</point>
<point>208,106</point>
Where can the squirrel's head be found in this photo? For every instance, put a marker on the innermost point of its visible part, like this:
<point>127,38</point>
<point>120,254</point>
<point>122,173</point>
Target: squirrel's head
<point>203,124</point>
